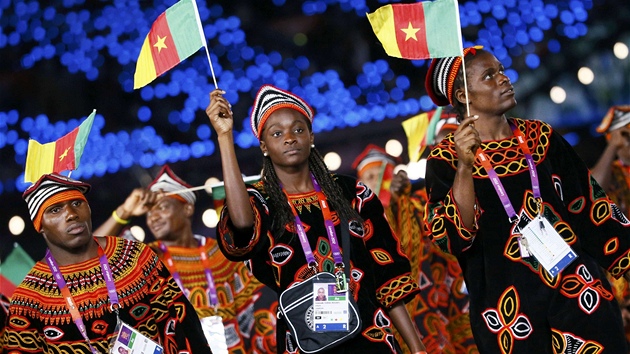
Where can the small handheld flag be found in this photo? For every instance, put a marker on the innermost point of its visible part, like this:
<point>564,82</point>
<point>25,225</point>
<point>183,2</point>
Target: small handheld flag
<point>60,155</point>
<point>416,129</point>
<point>422,30</point>
<point>174,36</point>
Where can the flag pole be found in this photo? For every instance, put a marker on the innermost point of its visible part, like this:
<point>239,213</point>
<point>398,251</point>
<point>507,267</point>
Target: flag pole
<point>185,190</point>
<point>461,47</point>
<point>205,45</point>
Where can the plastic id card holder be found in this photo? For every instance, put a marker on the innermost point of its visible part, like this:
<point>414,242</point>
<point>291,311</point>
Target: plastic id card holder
<point>130,341</point>
<point>215,334</point>
<point>544,243</point>
<point>330,308</point>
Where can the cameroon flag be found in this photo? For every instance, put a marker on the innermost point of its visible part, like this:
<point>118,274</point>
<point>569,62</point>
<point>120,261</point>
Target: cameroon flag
<point>13,269</point>
<point>174,36</point>
<point>61,155</point>
<point>422,30</point>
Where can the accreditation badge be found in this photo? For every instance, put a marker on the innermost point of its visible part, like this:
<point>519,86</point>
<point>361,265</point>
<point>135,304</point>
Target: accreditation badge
<point>330,307</point>
<point>543,242</point>
<point>130,341</point>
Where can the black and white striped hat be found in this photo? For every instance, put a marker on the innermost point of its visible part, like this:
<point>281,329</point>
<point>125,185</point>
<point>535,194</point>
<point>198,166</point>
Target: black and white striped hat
<point>441,76</point>
<point>269,99</point>
<point>169,182</point>
<point>47,186</point>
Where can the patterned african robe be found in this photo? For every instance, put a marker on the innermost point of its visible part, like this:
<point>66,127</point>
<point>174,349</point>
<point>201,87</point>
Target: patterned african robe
<point>515,306</point>
<point>440,311</point>
<point>246,306</point>
<point>151,302</point>
<point>380,271</point>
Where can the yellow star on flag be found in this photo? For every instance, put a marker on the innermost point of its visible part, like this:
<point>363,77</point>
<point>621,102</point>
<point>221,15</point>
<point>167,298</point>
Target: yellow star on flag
<point>65,153</point>
<point>160,43</point>
<point>411,32</point>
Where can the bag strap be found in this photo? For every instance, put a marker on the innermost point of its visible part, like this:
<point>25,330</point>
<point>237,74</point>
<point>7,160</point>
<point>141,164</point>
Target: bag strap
<point>345,244</point>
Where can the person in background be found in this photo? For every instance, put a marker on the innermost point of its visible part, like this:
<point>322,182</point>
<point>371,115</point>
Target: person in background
<point>214,285</point>
<point>296,197</point>
<point>440,311</point>
<point>612,172</point>
<point>73,299</point>
<point>533,232</point>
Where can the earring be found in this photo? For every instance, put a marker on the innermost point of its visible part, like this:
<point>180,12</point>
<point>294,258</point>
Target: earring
<point>265,154</point>
<point>312,146</point>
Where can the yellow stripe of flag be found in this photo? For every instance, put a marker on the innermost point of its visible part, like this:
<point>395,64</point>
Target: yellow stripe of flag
<point>39,160</point>
<point>384,26</point>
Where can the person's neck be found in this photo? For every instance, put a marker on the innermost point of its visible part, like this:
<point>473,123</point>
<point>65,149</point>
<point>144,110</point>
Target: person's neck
<point>65,257</point>
<point>295,181</point>
<point>493,128</point>
<point>187,239</point>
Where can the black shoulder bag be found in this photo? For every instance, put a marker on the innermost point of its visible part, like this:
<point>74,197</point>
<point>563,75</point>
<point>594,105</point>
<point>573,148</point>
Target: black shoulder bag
<point>295,306</point>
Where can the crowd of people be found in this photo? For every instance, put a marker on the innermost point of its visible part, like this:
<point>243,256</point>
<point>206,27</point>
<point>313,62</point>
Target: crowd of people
<point>513,245</point>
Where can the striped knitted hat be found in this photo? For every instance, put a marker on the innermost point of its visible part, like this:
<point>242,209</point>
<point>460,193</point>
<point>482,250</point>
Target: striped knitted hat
<point>441,76</point>
<point>49,187</point>
<point>615,118</point>
<point>168,181</point>
<point>269,99</point>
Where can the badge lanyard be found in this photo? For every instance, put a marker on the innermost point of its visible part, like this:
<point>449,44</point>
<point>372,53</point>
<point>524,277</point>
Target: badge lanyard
<point>330,231</point>
<point>65,292</point>
<point>212,290</point>
<point>496,182</point>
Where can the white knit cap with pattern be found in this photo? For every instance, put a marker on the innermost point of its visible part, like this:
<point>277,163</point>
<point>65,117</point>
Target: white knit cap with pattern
<point>269,99</point>
<point>615,118</point>
<point>168,181</point>
<point>47,186</point>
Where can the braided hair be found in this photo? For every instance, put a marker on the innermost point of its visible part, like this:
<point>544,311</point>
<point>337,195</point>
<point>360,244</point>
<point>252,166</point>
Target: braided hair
<point>279,202</point>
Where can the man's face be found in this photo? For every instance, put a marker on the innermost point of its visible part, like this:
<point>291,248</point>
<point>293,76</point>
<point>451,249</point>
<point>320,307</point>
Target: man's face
<point>168,219</point>
<point>67,225</point>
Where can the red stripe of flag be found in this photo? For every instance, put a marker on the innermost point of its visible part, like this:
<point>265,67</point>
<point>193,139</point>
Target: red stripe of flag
<point>164,58</point>
<point>414,14</point>
<point>64,152</point>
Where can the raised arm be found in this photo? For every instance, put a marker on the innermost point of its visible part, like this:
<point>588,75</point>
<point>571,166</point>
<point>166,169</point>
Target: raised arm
<point>137,203</point>
<point>602,171</point>
<point>219,112</point>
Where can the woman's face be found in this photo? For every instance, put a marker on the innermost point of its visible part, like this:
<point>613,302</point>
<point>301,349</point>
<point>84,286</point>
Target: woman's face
<point>490,91</point>
<point>286,138</point>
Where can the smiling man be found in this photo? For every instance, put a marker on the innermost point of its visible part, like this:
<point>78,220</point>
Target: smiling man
<point>235,309</point>
<point>75,299</point>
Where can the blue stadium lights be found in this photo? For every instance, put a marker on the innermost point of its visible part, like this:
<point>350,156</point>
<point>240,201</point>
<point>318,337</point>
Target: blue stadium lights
<point>81,40</point>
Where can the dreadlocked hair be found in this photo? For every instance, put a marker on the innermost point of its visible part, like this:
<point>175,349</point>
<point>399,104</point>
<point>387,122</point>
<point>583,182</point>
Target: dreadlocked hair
<point>279,202</point>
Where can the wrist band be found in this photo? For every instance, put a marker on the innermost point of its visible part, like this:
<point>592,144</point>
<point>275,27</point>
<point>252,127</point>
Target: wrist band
<point>119,219</point>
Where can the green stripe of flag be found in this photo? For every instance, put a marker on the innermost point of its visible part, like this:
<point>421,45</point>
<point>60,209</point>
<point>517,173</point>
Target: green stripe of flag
<point>442,28</point>
<point>82,137</point>
<point>184,27</point>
